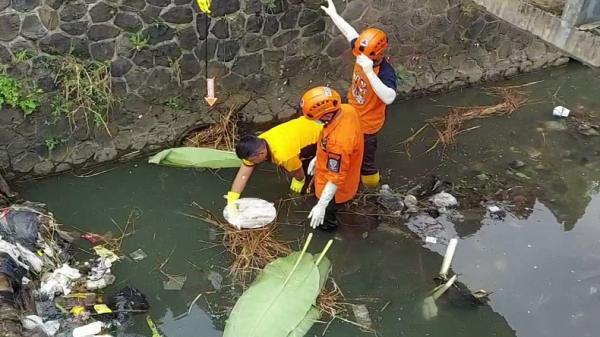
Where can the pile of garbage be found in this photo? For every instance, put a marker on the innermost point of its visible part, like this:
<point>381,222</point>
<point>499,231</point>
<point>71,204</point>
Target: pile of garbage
<point>44,292</point>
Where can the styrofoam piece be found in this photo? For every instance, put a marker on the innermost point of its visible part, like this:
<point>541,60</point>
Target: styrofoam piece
<point>88,330</point>
<point>250,213</point>
<point>561,111</point>
<point>430,239</point>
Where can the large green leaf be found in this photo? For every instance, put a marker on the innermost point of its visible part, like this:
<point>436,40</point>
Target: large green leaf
<point>309,320</point>
<point>196,157</point>
<point>271,307</point>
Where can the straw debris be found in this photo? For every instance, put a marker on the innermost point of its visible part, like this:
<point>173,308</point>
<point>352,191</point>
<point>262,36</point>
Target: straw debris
<point>221,135</point>
<point>251,249</point>
<point>450,126</point>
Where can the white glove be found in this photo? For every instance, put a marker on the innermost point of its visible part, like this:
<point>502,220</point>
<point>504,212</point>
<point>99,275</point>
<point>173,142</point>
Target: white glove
<point>365,63</point>
<point>317,215</point>
<point>312,166</point>
<point>330,9</point>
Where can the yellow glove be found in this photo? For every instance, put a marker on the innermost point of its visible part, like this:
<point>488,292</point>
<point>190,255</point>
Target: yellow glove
<point>232,197</point>
<point>297,185</point>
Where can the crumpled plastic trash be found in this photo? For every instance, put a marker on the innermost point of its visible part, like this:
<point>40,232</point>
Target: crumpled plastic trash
<point>251,213</point>
<point>100,276</point>
<point>444,199</point>
<point>106,254</point>
<point>138,255</point>
<point>393,202</point>
<point>21,255</point>
<point>31,322</point>
<point>59,281</point>
<point>21,223</point>
<point>216,280</point>
<point>127,301</point>
<point>362,315</point>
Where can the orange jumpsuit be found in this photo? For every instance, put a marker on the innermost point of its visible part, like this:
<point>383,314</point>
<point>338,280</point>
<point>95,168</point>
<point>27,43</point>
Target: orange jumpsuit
<point>339,155</point>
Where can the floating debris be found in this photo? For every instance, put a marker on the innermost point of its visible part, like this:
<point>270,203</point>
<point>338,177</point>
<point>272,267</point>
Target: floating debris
<point>362,315</point>
<point>448,258</point>
<point>174,282</point>
<point>444,199</point>
<point>216,280</point>
<point>138,255</point>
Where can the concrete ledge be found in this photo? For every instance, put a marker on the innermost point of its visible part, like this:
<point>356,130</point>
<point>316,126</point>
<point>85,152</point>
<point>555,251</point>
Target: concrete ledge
<point>583,46</point>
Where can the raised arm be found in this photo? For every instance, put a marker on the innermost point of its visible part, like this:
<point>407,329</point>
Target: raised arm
<point>347,30</point>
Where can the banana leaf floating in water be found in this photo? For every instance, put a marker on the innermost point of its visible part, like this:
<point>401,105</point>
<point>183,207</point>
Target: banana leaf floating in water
<point>281,302</point>
<point>196,157</point>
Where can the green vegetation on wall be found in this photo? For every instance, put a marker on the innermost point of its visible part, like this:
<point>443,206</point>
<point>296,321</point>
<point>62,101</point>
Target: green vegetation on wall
<point>13,94</point>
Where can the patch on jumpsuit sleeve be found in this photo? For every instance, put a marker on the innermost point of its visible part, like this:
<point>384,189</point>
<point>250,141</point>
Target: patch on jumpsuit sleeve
<point>334,162</point>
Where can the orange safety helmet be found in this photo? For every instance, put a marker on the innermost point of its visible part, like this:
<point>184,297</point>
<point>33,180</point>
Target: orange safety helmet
<point>372,42</point>
<point>320,101</point>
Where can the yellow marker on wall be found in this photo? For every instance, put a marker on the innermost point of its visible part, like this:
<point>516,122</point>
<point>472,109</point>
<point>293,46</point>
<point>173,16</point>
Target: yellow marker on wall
<point>204,6</point>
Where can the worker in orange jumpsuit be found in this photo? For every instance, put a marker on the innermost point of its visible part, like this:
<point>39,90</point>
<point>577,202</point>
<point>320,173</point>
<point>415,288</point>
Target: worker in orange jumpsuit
<point>340,148</point>
<point>373,86</point>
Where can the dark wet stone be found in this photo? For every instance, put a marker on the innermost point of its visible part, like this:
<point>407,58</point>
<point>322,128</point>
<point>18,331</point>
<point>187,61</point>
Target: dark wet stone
<point>221,29</point>
<point>25,162</point>
<point>133,5</point>
<point>129,22</point>
<point>314,28</point>
<point>254,42</point>
<point>271,25</point>
<point>184,2</point>
<point>254,23</point>
<point>189,65</point>
<point>159,78</point>
<point>273,55</point>
<point>80,47</point>
<point>516,164</point>
<point>227,50</point>
<point>150,14</point>
<point>290,18</point>
<point>159,3</point>
<point>44,167</point>
<point>201,51</point>
<point>124,46</point>
<point>308,16</point>
<point>10,24</point>
<point>237,26</point>
<point>32,27</point>
<point>159,33</point>
<point>82,152</point>
<point>337,46</point>
<point>46,83</point>
<point>188,39</point>
<point>248,64</point>
<point>284,38</point>
<point>102,12</point>
<point>224,7</point>
<point>201,25</point>
<point>355,10</point>
<point>106,154</point>
<point>253,6</point>
<point>144,58</point>
<point>119,87</point>
<point>178,15</point>
<point>102,51</point>
<point>5,55</point>
<point>25,5</point>
<point>55,44</point>
<point>120,67</point>
<point>75,28</point>
<point>102,31</point>
<point>232,82</point>
<point>135,78</point>
<point>313,45</point>
<point>258,83</point>
<point>73,11</point>
<point>54,3</point>
<point>165,54</point>
<point>49,17</point>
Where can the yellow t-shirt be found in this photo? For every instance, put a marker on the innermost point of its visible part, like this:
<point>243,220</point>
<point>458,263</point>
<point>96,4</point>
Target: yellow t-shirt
<point>287,140</point>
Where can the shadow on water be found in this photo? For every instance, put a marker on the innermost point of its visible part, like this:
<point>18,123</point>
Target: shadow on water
<point>541,261</point>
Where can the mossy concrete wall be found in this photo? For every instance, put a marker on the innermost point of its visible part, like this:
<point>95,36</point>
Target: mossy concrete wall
<point>263,53</point>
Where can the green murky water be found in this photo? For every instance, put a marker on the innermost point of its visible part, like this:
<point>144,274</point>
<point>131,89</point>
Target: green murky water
<point>542,262</point>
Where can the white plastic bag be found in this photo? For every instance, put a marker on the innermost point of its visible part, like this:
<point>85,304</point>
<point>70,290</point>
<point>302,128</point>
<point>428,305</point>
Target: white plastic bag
<point>250,213</point>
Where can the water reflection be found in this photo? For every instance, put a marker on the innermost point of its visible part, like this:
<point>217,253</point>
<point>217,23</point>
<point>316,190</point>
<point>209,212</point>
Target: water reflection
<point>541,260</point>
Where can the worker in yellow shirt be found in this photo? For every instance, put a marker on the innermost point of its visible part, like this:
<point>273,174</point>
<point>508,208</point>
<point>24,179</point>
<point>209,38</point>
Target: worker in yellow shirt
<point>286,145</point>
